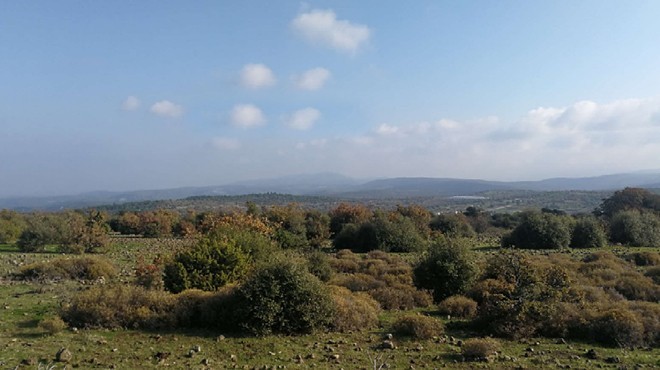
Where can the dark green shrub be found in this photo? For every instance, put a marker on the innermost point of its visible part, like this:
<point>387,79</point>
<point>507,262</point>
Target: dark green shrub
<point>452,225</point>
<point>318,264</point>
<point>459,306</point>
<point>211,264</point>
<point>480,349</point>
<point>417,326</point>
<point>284,298</point>
<point>588,232</point>
<point>449,268</point>
<point>353,311</point>
<point>635,228</point>
<point>540,231</point>
<point>518,295</point>
<point>83,268</point>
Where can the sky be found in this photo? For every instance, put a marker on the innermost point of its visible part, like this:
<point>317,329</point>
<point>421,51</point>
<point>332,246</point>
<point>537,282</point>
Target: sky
<point>127,95</point>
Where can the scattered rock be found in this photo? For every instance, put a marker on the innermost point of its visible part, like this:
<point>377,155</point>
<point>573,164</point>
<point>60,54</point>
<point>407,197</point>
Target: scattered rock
<point>205,362</point>
<point>197,349</point>
<point>389,336</point>
<point>334,358</point>
<point>529,349</point>
<point>591,354</point>
<point>160,356</point>
<point>613,360</point>
<point>232,358</point>
<point>388,344</point>
<point>63,355</point>
<point>28,362</point>
<point>561,341</point>
<point>221,338</point>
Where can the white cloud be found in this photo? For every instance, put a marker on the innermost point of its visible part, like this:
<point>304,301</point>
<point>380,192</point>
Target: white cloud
<point>131,103</point>
<point>323,27</point>
<point>166,108</point>
<point>303,119</point>
<point>224,143</point>
<point>247,116</point>
<point>386,129</point>
<point>257,76</point>
<point>312,79</point>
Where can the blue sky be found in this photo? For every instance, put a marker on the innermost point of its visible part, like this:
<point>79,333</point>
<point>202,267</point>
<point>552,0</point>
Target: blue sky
<point>128,95</point>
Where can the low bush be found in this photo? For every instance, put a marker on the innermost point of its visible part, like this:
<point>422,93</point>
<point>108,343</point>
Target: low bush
<point>401,297</point>
<point>617,327</point>
<point>480,349</point>
<point>646,258</point>
<point>120,306</point>
<point>353,311</point>
<point>637,287</point>
<point>84,268</point>
<point>52,325</point>
<point>417,326</point>
<point>459,306</point>
<point>649,315</point>
<point>654,274</point>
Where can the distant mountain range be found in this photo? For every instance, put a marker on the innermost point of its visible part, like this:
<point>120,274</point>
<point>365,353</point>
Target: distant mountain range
<point>339,186</point>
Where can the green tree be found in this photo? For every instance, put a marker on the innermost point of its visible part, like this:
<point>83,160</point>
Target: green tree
<point>629,199</point>
<point>452,225</point>
<point>448,268</point>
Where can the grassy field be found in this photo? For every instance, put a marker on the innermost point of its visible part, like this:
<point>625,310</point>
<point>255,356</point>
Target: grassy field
<point>24,344</point>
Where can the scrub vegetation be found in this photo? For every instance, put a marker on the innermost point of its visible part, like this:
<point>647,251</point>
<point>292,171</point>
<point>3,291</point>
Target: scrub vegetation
<point>358,286</point>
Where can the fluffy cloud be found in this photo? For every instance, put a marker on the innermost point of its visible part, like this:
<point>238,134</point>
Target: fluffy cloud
<point>247,116</point>
<point>257,76</point>
<point>131,103</point>
<point>224,143</point>
<point>322,27</point>
<point>312,79</point>
<point>303,119</point>
<point>166,108</point>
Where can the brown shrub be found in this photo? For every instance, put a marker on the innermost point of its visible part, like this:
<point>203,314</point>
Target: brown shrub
<point>401,297</point>
<point>654,274</point>
<point>52,325</point>
<point>417,326</point>
<point>637,287</point>
<point>649,315</point>
<point>480,349</point>
<point>85,268</point>
<point>618,327</point>
<point>347,266</point>
<point>120,306</point>
<point>357,282</point>
<point>353,311</point>
<point>459,306</point>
